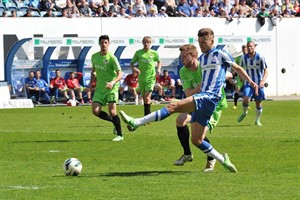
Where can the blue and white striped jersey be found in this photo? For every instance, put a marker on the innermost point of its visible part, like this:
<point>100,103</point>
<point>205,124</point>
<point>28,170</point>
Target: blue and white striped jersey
<point>214,66</point>
<point>254,67</point>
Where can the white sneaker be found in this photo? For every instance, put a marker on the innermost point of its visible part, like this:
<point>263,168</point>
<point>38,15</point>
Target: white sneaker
<point>183,159</point>
<point>118,139</point>
<point>210,166</point>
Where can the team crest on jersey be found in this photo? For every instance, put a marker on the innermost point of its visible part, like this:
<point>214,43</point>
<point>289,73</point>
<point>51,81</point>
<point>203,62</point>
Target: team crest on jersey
<point>214,59</point>
<point>105,61</point>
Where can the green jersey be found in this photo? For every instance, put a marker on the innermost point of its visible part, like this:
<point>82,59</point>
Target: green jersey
<point>190,79</point>
<point>146,63</point>
<point>106,67</point>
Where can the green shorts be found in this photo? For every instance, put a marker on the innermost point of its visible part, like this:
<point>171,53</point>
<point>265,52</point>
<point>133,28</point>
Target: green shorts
<point>146,86</point>
<point>104,98</point>
<point>239,83</point>
<point>223,102</point>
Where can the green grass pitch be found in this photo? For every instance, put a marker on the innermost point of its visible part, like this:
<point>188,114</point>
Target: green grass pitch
<point>35,142</point>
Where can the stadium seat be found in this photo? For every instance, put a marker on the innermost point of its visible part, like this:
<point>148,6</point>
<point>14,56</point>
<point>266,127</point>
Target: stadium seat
<point>86,79</point>
<point>11,6</point>
<point>2,8</point>
<point>67,76</point>
<point>18,83</point>
<point>35,14</point>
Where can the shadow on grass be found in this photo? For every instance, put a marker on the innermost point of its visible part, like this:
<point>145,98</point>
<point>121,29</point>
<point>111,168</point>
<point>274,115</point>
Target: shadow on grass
<point>130,174</point>
<point>234,125</point>
<point>61,141</point>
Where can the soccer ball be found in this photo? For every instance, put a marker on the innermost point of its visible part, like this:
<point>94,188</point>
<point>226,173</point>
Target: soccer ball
<point>72,167</point>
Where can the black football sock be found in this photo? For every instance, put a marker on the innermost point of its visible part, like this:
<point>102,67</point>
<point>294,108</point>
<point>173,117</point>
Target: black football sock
<point>236,97</point>
<point>117,124</point>
<point>146,109</point>
<point>183,134</point>
<point>103,115</point>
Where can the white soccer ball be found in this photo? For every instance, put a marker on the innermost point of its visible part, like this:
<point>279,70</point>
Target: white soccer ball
<point>72,167</point>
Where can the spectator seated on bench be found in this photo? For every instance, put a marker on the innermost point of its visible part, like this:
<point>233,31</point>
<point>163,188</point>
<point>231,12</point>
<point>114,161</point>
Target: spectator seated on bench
<point>58,86</point>
<point>131,82</point>
<point>168,85</point>
<point>73,84</point>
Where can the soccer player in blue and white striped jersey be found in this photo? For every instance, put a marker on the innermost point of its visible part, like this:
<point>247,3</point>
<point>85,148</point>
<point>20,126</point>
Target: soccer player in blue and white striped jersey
<point>256,67</point>
<point>214,64</point>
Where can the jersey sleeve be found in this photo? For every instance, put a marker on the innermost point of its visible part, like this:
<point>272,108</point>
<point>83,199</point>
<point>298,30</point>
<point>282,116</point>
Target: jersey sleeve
<point>135,58</point>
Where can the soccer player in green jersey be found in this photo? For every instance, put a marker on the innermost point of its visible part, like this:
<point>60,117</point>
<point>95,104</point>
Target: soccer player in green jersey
<point>239,82</point>
<point>146,58</point>
<point>191,76</point>
<point>106,68</point>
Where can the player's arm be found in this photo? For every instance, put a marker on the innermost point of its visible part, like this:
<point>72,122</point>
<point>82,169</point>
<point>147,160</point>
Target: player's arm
<point>93,77</point>
<point>191,91</point>
<point>245,76</point>
<point>159,66</point>
<point>263,81</point>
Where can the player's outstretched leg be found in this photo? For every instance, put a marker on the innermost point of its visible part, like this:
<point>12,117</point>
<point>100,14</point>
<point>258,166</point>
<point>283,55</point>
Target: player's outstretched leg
<point>134,123</point>
<point>228,165</point>
<point>129,121</point>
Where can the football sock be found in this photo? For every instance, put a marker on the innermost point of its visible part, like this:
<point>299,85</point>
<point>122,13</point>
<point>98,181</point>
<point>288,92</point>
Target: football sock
<point>146,109</point>
<point>245,108</point>
<point>258,114</point>
<point>208,157</point>
<point>103,115</point>
<point>152,117</point>
<point>183,136</point>
<point>117,124</point>
<point>236,97</point>
<point>208,149</point>
<point>121,97</point>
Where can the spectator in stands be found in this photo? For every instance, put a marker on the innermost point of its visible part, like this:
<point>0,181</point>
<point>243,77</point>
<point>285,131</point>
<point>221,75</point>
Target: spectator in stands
<point>288,8</point>
<point>233,13</point>
<point>32,90</point>
<point>129,11</point>
<point>158,87</point>
<point>99,12</point>
<point>34,5</point>
<point>184,9</point>
<point>213,7</point>
<point>49,13</point>
<point>111,13</point>
<point>139,6</point>
<point>115,7</point>
<point>64,12</point>
<point>255,9</point>
<point>4,14</point>
<point>139,13</point>
<point>73,84</point>
<point>225,5</point>
<point>297,8</point>
<point>105,6</point>
<point>28,13</point>
<point>170,7</point>
<point>42,87</point>
<point>124,3</point>
<point>203,4</point>
<point>167,84</point>
<point>150,5</point>
<point>198,12</point>
<point>152,13</point>
<point>287,13</point>
<point>123,14</point>
<point>72,10</point>
<point>245,8</point>
<point>46,4</point>
<point>84,9</point>
<point>194,5</point>
<point>58,85</point>
<point>206,13</point>
<point>263,12</point>
<point>162,12</point>
<point>131,81</point>
<point>95,4</point>
<point>276,6</point>
<point>13,13</point>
